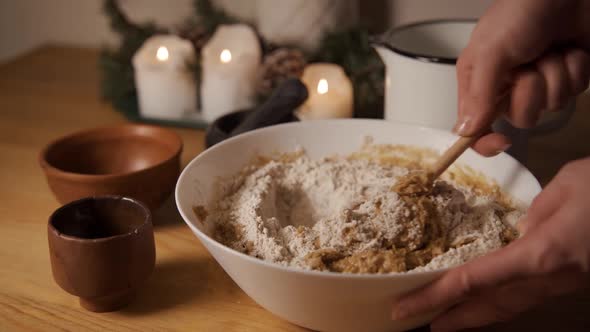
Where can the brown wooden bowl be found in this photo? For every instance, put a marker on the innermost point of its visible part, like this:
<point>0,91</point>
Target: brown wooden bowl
<point>102,250</point>
<point>138,161</point>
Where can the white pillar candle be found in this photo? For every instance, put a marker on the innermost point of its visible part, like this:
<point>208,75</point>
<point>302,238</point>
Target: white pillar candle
<point>229,63</point>
<point>165,85</point>
<point>303,22</point>
<point>330,93</point>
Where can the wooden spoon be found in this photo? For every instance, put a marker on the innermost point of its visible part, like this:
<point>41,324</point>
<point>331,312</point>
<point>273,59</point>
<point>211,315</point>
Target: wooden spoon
<point>421,183</point>
<point>450,155</point>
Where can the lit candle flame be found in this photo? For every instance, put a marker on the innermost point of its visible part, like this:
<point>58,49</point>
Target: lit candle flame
<point>162,53</point>
<point>225,56</point>
<point>323,86</point>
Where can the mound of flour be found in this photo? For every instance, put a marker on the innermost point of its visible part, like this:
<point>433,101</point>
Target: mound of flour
<point>337,213</point>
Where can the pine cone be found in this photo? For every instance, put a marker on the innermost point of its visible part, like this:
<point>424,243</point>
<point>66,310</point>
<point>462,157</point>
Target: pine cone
<point>279,65</point>
<point>196,34</point>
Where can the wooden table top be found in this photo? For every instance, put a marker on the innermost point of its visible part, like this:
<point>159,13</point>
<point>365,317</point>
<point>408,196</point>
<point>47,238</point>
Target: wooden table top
<point>54,91</point>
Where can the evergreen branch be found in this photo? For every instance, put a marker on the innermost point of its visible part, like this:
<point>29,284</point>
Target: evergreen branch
<point>118,20</point>
<point>349,49</point>
<point>352,51</point>
<point>117,81</point>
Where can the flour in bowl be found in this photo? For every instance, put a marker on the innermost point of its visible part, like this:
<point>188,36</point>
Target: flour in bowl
<point>340,214</point>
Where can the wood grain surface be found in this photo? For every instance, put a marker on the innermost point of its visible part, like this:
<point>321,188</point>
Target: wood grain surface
<point>54,91</point>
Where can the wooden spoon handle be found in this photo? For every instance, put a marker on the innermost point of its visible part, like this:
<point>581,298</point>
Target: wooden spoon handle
<point>452,153</point>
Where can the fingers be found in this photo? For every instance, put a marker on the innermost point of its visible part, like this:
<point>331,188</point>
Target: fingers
<point>553,69</point>
<point>557,78</point>
<point>534,256</point>
<point>483,92</point>
<point>492,144</point>
<point>527,99</point>
<point>544,206</point>
<point>486,77</point>
<point>464,66</point>
<point>511,262</point>
<point>505,302</point>
<point>577,63</point>
<point>471,314</point>
<point>483,310</point>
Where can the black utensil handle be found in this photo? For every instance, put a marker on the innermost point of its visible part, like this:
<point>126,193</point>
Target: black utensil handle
<point>286,98</point>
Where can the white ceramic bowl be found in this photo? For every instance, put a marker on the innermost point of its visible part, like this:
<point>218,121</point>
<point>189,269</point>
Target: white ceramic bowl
<point>326,301</point>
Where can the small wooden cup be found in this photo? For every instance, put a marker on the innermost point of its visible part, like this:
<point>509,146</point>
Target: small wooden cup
<point>101,250</point>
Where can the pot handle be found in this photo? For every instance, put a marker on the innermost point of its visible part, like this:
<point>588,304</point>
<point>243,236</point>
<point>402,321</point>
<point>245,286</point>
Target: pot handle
<point>558,122</point>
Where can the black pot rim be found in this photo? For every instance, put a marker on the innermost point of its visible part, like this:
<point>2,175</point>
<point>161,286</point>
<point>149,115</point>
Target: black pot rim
<point>418,56</point>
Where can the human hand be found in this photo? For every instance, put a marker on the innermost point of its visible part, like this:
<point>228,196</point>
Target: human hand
<point>524,57</point>
<point>552,257</point>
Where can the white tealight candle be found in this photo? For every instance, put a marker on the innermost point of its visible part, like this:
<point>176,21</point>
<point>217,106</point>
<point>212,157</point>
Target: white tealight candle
<point>230,62</point>
<point>165,85</point>
<point>330,93</point>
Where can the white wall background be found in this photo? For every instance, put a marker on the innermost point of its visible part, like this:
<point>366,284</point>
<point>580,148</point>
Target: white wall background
<point>26,24</point>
